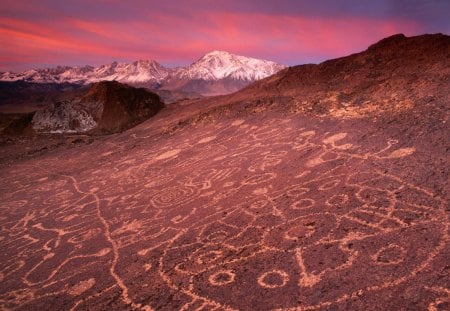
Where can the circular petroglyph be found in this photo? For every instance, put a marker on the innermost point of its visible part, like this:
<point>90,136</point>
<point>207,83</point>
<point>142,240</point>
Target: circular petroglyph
<point>299,232</point>
<point>173,196</point>
<point>273,279</point>
<point>303,204</point>
<point>222,277</point>
<point>337,200</point>
<point>296,192</point>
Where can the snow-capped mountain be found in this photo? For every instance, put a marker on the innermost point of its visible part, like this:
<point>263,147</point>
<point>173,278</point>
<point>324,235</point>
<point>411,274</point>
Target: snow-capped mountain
<point>48,75</point>
<point>136,72</point>
<point>217,72</point>
<point>218,65</point>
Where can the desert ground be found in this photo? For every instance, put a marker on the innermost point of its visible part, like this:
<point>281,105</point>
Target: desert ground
<point>256,212</point>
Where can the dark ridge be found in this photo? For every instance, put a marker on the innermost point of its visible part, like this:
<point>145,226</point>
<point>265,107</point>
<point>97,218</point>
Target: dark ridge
<point>123,106</point>
<point>389,41</point>
<point>16,124</point>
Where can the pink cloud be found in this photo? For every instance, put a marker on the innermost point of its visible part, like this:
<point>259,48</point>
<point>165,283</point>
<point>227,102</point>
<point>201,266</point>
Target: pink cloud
<point>181,39</point>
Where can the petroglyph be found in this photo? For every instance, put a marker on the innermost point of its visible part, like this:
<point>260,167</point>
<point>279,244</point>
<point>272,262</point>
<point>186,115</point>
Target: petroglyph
<point>277,213</point>
<point>222,277</point>
<point>399,153</point>
<point>206,139</point>
<point>237,122</point>
<point>81,287</point>
<point>168,154</point>
<point>273,279</point>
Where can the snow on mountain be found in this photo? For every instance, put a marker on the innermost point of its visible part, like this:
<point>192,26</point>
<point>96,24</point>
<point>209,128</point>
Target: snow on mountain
<point>136,72</point>
<point>48,75</point>
<point>218,65</point>
<point>214,68</point>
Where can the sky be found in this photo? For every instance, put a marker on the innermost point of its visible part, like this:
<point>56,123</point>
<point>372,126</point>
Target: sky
<point>46,33</point>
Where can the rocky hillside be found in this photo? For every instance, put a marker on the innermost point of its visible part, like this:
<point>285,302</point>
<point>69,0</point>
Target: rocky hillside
<point>397,74</point>
<point>106,107</point>
<point>392,74</point>
<point>325,187</point>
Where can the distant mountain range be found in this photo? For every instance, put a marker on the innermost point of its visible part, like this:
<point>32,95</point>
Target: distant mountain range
<point>216,73</point>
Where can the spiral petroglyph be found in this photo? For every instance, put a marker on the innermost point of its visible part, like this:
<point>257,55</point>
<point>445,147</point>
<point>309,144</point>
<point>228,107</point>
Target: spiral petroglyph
<point>174,196</point>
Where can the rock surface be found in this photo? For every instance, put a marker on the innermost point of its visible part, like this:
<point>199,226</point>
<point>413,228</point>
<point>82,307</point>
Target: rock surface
<point>235,204</point>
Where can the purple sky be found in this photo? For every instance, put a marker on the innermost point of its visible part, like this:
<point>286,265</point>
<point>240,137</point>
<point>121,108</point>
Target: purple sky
<point>45,33</point>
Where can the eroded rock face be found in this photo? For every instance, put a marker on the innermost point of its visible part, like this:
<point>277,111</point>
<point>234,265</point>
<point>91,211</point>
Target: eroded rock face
<point>67,117</point>
<point>107,107</point>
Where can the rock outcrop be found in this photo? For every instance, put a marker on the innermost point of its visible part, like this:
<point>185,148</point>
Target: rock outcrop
<point>106,107</point>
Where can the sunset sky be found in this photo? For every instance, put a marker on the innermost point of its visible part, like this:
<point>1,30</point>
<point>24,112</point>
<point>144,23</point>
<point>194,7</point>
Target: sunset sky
<point>46,33</point>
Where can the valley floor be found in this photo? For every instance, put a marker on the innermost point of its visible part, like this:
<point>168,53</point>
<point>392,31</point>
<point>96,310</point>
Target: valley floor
<point>258,212</point>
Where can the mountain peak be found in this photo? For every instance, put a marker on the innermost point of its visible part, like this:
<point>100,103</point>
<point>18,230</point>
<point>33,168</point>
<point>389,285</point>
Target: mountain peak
<point>217,65</point>
<point>217,53</point>
<point>146,61</point>
<point>213,66</point>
